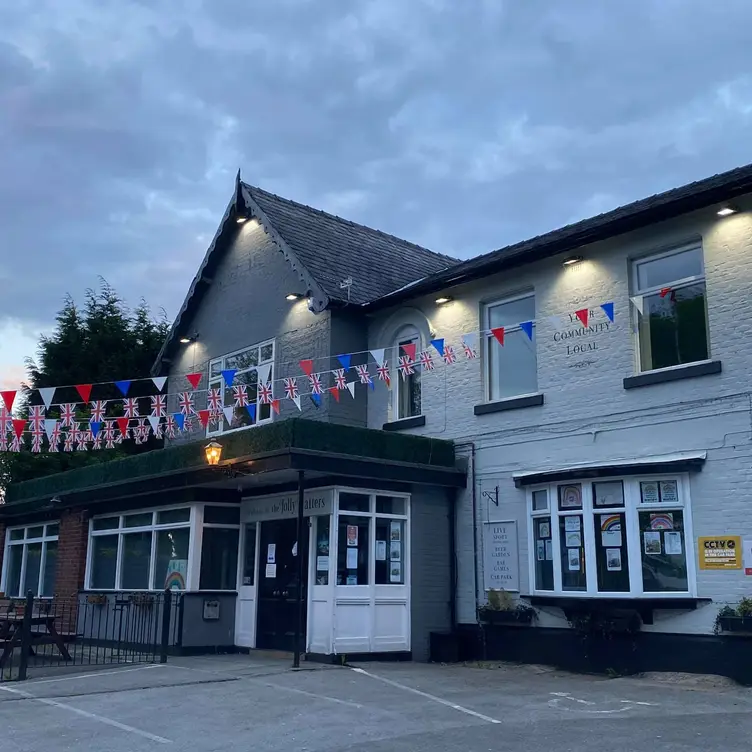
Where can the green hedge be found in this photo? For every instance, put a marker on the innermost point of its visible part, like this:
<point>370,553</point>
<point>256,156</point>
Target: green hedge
<point>296,432</point>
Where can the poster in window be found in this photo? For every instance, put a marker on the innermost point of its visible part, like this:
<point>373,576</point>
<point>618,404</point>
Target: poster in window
<point>540,550</point>
<point>613,559</point>
<point>652,542</point>
<point>352,579</point>
<point>662,521</point>
<point>395,531</point>
<point>669,492</point>
<point>352,558</point>
<point>322,563</point>
<point>672,543</point>
<point>549,550</point>
<point>352,535</point>
<point>570,497</point>
<point>608,494</point>
<point>572,524</point>
<point>395,572</point>
<point>649,492</point>
<point>573,558</point>
<point>271,571</point>
<point>574,540</point>
<point>380,550</point>
<point>544,529</point>
<point>177,571</point>
<point>271,553</point>
<point>610,530</point>
<point>395,551</point>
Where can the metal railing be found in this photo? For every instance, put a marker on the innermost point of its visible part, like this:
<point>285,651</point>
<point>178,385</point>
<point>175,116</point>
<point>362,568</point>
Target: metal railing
<point>87,630</point>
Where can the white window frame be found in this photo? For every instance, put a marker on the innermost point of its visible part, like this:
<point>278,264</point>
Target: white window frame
<point>217,381</point>
<point>24,542</point>
<point>407,333</point>
<point>675,285</point>
<point>632,507</point>
<point>489,339</point>
<point>200,548</point>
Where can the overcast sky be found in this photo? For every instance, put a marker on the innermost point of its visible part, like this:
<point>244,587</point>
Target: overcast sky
<point>462,125</point>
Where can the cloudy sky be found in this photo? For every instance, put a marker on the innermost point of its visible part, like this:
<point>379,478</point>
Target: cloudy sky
<point>462,125</point>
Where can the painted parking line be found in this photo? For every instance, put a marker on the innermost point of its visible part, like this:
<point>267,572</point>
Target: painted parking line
<point>86,714</point>
<point>427,696</point>
<point>94,674</point>
<point>562,700</point>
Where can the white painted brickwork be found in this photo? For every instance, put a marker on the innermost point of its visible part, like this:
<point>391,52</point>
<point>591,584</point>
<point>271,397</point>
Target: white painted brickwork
<point>588,415</point>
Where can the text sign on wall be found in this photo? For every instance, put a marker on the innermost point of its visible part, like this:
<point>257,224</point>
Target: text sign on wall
<point>720,552</point>
<point>280,507</point>
<point>501,564</point>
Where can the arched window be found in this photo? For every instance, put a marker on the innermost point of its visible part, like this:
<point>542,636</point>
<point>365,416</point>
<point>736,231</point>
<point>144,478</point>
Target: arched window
<point>406,388</point>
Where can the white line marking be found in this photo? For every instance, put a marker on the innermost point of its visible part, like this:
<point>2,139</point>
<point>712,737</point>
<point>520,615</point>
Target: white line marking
<point>88,676</point>
<point>92,716</point>
<point>637,702</point>
<point>448,704</point>
<point>310,694</point>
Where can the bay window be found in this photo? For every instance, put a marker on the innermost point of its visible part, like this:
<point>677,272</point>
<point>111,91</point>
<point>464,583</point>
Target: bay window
<point>612,537</point>
<point>30,560</point>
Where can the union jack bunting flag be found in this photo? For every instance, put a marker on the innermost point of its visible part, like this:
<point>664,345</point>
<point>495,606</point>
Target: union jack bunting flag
<point>449,356</point>
<point>3,442</point>
<point>185,403</point>
<point>170,427</point>
<point>5,421</point>
<point>188,425</point>
<point>97,411</point>
<point>68,415</point>
<point>291,388</point>
<point>383,371</point>
<point>55,439</point>
<point>36,443</point>
<point>406,366</point>
<point>426,360</point>
<point>240,392</point>
<point>130,407</point>
<point>315,381</point>
<point>213,401</point>
<point>159,406</point>
<point>36,419</point>
<point>468,345</point>
<point>340,381</point>
<point>81,439</point>
<point>265,394</point>
<point>15,445</point>
<point>109,434</point>
<point>365,377</point>
<point>68,443</point>
<point>97,442</point>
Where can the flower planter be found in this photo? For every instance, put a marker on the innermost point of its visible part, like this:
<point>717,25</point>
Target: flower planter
<point>736,623</point>
<point>521,617</point>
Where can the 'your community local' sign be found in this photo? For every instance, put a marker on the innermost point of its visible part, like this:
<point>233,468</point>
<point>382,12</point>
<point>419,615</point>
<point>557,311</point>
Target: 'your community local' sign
<point>500,556</point>
<point>579,339</point>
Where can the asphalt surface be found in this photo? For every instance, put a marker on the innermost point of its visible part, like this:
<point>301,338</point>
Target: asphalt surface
<point>257,703</point>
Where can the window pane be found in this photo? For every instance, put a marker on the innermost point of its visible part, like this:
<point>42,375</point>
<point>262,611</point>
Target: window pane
<point>573,575</point>
<point>35,532</point>
<point>138,520</point>
<point>352,553</point>
<point>663,271</point>
<point>219,559</point>
<point>512,313</point>
<point>267,351</point>
<point>390,552</point>
<point>540,500</point>
<point>106,523</point>
<point>544,553</point>
<point>323,525</point>
<point>570,496</point>
<point>513,368</point>
<point>673,329</point>
<point>354,502</point>
<point>33,567</point>
<point>408,387</point>
<point>608,494</point>
<point>136,561</point>
<point>611,552</point>
<point>664,552</point>
<point>17,534</point>
<point>15,558</point>
<point>222,515</point>
<point>215,369</point>
<point>103,561</point>
<point>389,505</point>
<point>52,530</point>
<point>173,515</point>
<point>242,360</point>
<point>50,568</point>
<point>172,559</point>
<point>249,554</point>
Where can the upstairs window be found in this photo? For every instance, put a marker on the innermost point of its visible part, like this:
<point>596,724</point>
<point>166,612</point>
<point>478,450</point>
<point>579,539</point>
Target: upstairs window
<point>407,388</point>
<point>248,364</point>
<point>673,325</point>
<point>511,369</point>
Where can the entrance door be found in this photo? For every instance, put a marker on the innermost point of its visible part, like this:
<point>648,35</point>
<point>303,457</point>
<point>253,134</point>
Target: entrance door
<point>278,586</point>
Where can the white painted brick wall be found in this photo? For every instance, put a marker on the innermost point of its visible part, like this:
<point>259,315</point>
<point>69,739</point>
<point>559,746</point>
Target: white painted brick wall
<point>588,415</point>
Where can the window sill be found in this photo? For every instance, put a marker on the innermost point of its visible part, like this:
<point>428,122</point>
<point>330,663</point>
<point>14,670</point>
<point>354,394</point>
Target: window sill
<point>513,403</point>
<point>663,376</point>
<point>399,425</point>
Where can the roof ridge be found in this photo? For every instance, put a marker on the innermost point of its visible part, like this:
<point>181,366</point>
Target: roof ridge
<point>351,223</point>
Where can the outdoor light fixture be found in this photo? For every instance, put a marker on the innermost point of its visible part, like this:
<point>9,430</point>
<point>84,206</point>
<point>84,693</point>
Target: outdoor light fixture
<point>186,340</point>
<point>443,299</point>
<point>241,218</point>
<point>725,211</point>
<point>293,296</point>
<point>572,260</point>
<point>213,452</point>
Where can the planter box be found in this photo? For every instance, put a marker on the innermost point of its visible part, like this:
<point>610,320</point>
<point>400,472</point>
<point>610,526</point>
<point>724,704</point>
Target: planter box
<point>736,623</point>
<point>519,618</point>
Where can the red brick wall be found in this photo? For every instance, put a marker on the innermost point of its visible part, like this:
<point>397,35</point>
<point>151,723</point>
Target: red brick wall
<point>71,553</point>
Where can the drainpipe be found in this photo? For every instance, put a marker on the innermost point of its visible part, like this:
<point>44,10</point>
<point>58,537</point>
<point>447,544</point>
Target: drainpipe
<point>476,545</point>
<point>302,559</point>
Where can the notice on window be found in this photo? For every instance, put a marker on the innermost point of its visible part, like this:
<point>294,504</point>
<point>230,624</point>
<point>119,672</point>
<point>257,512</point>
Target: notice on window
<point>380,550</point>
<point>271,553</point>
<point>549,550</point>
<point>573,559</point>
<point>610,530</point>
<point>271,571</point>
<point>540,550</point>
<point>395,531</point>
<point>574,540</point>
<point>322,563</point>
<point>572,524</point>
<point>352,558</point>
<point>352,579</point>
<point>613,559</point>
<point>669,492</point>
<point>672,543</point>
<point>649,492</point>
<point>544,529</point>
<point>722,552</point>
<point>652,542</point>
<point>352,535</point>
<point>662,521</point>
<point>177,573</point>
<point>395,572</point>
<point>395,551</point>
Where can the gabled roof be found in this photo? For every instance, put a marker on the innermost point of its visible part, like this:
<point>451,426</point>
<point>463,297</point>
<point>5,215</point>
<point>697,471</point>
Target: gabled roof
<point>718,189</point>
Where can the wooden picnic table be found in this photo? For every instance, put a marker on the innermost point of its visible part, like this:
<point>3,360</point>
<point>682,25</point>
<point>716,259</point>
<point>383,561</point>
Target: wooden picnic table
<point>43,632</point>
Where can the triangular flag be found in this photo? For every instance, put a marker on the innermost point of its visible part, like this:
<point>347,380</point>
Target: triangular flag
<point>18,427</point>
<point>334,392</point>
<point>608,309</point>
<point>372,384</point>
<point>637,303</point>
<point>95,427</point>
<point>122,425</point>
<point>84,390</point>
<point>306,366</point>
<point>439,345</point>
<point>123,386</point>
<point>252,411</point>
<point>351,388</point>
<point>296,400</point>
<point>228,375</point>
<point>154,422</point>
<point>229,414</point>
<point>47,393</point>
<point>275,405</point>
<point>409,349</point>
<point>179,419</point>
<point>527,327</point>
<point>203,417</point>
<point>378,356</point>
<point>159,382</point>
<point>264,371</point>
<point>8,399</point>
<point>582,315</point>
<point>49,427</point>
<point>664,291</point>
<point>344,361</point>
<point>316,399</point>
<point>498,332</point>
<point>194,379</point>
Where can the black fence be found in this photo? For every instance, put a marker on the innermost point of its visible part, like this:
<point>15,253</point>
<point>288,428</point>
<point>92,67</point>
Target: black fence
<point>88,630</point>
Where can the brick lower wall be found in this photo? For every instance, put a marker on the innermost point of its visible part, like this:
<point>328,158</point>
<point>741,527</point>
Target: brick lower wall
<point>71,553</point>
